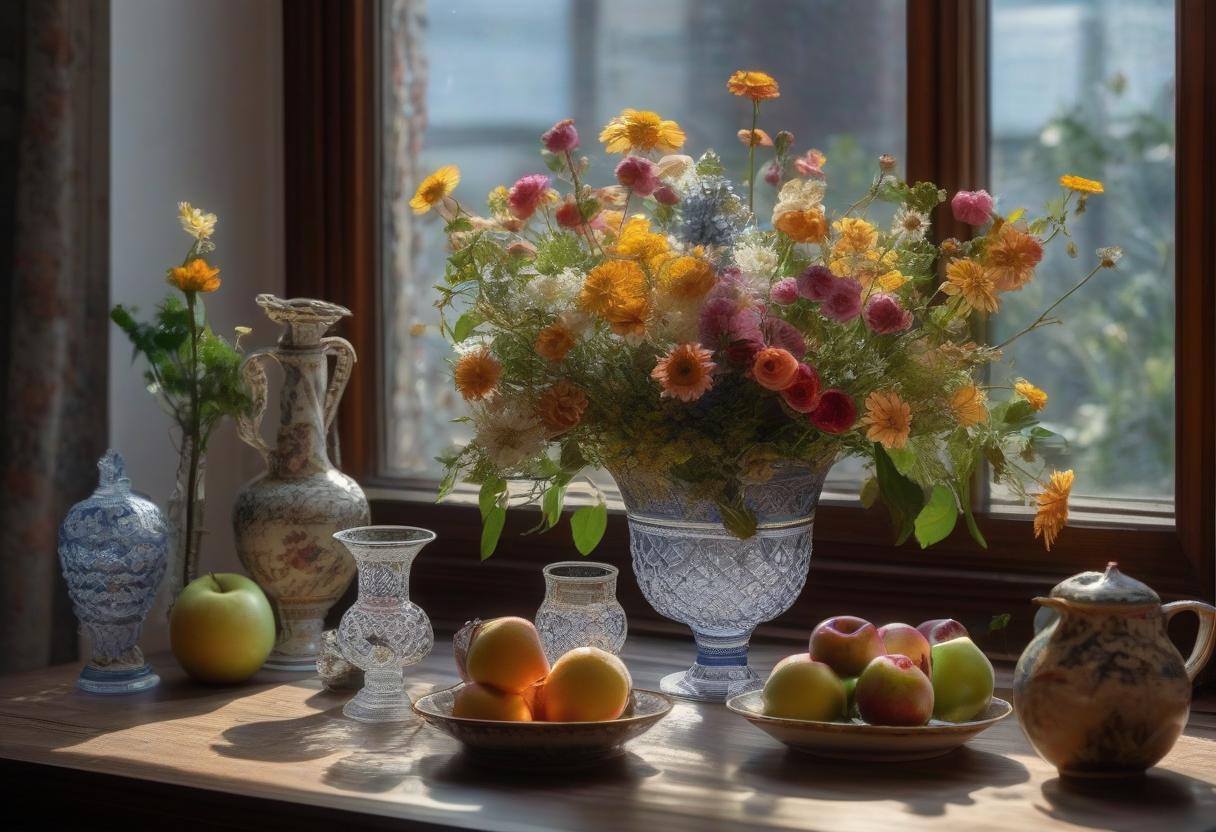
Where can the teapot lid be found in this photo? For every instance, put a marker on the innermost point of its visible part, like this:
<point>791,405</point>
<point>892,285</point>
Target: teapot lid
<point>1109,588</point>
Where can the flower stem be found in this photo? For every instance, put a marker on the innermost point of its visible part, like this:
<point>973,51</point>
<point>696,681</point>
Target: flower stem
<point>193,428</point>
<point>751,158</point>
<point>1039,320</point>
<point>578,193</point>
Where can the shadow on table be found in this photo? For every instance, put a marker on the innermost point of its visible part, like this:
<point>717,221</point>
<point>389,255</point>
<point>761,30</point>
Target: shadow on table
<point>925,787</point>
<point>1105,804</point>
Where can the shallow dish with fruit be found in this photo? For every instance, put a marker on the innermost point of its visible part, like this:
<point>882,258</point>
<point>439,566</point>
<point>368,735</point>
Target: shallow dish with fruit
<point>543,744</point>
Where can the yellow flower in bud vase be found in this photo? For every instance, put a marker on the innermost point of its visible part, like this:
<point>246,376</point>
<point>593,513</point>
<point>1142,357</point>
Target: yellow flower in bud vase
<point>195,222</point>
<point>758,86</point>
<point>434,188</point>
<point>641,130</point>
<point>1052,515</point>
<point>888,419</point>
<point>1033,395</point>
<point>195,276</point>
<point>1082,185</point>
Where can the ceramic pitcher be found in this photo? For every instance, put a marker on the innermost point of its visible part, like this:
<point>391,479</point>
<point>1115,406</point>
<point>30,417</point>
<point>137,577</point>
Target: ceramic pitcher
<point>1102,691</point>
<point>285,518</point>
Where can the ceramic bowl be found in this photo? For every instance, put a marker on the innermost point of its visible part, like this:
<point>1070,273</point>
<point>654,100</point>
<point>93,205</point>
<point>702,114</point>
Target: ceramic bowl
<point>859,741</point>
<point>543,744</point>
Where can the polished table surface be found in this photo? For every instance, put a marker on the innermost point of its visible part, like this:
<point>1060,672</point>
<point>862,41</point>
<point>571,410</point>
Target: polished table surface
<point>282,741</point>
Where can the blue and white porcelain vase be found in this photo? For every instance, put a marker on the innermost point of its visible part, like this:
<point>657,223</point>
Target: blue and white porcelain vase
<point>113,548</point>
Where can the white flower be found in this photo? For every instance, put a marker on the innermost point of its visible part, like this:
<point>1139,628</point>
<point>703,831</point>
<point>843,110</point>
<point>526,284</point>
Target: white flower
<point>553,292</point>
<point>909,224</point>
<point>755,259</point>
<point>194,222</point>
<point>473,343</point>
<point>574,321</point>
<point>799,195</point>
<point>509,432</point>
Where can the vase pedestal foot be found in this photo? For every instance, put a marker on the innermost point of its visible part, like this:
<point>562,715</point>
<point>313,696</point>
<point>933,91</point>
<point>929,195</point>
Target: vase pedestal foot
<point>299,642</point>
<point>381,699</point>
<point>696,685</point>
<point>111,682</point>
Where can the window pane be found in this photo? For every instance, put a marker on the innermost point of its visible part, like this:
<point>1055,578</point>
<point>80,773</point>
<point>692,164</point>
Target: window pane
<point>501,73</point>
<point>1087,87</point>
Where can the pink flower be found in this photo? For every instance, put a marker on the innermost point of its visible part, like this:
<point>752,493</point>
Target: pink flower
<point>802,394</point>
<point>811,164</point>
<point>725,319</point>
<point>666,195</point>
<point>784,291</point>
<point>779,333</point>
<point>816,282</point>
<point>844,302</point>
<point>561,137</point>
<point>772,173</point>
<point>638,174</point>
<point>835,413</point>
<point>527,194</point>
<point>742,353</point>
<point>972,207</point>
<point>884,315</point>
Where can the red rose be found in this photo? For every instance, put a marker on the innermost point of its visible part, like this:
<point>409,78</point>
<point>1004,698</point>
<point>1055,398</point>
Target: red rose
<point>802,394</point>
<point>835,413</point>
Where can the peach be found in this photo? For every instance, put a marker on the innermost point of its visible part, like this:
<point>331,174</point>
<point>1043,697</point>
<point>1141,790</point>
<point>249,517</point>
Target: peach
<point>893,691</point>
<point>906,640</point>
<point>504,653</point>
<point>476,701</point>
<point>941,629</point>
<point>846,644</point>
<point>801,688</point>
<point>587,684</point>
<point>962,680</point>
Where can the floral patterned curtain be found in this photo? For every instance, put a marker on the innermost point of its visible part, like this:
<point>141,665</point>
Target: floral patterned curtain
<point>54,244</point>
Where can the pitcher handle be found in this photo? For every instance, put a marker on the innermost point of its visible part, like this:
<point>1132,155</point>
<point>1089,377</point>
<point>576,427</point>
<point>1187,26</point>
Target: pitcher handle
<point>344,363</point>
<point>1205,639</point>
<point>249,423</point>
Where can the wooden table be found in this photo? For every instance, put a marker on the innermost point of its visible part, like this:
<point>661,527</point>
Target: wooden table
<point>283,753</point>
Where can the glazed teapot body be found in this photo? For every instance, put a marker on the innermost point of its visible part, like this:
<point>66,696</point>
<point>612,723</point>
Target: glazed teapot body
<point>1102,691</point>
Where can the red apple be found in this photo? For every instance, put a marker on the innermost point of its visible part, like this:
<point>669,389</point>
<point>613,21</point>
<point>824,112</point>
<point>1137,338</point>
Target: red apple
<point>846,644</point>
<point>942,629</point>
<point>893,691</point>
<point>906,640</point>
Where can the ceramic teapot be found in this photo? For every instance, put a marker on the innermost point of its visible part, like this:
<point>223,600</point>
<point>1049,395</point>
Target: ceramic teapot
<point>1102,691</point>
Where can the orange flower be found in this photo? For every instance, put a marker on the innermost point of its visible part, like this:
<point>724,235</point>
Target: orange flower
<point>774,368</point>
<point>968,406</point>
<point>1011,256</point>
<point>758,86</point>
<point>809,226</point>
<point>1052,515</point>
<point>755,138</point>
<point>554,341</point>
<point>973,282</point>
<point>1036,397</point>
<point>638,242</point>
<point>641,130</point>
<point>856,236</point>
<point>685,373</point>
<point>561,407</point>
<point>629,318</point>
<point>687,278</point>
<point>1081,185</point>
<point>888,419</point>
<point>477,374</point>
<point>195,276</point>
<point>611,283</point>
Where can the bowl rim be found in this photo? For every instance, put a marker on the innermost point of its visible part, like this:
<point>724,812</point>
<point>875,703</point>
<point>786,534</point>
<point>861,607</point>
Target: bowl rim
<point>668,704</point>
<point>732,704</point>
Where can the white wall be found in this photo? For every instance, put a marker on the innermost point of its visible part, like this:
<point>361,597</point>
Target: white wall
<point>196,115</point>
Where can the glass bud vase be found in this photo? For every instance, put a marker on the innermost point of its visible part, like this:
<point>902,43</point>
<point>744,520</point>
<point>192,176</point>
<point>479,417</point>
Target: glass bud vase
<point>580,609</point>
<point>384,632</point>
<point>113,548</point>
<point>692,570</point>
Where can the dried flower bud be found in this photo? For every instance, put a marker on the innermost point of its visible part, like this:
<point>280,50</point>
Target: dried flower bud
<point>783,141</point>
<point>886,162</point>
<point>1109,256</point>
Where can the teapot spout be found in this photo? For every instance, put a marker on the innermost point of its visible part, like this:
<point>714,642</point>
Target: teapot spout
<point>1058,604</point>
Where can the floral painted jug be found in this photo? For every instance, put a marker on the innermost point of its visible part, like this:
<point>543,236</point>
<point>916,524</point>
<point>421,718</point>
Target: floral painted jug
<point>285,518</point>
<point>1102,691</point>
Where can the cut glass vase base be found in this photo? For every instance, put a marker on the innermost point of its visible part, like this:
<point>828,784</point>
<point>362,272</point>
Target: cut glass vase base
<point>710,684</point>
<point>294,664</point>
<point>380,708</point>
<point>111,682</point>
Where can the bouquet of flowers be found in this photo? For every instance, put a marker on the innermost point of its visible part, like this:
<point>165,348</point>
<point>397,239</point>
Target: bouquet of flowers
<point>656,323</point>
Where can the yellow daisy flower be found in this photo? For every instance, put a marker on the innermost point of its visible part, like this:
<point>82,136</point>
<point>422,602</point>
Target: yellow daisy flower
<point>1036,397</point>
<point>1052,515</point>
<point>195,276</point>
<point>195,222</point>
<point>973,282</point>
<point>641,130</point>
<point>1082,185</point>
<point>888,419</point>
<point>612,284</point>
<point>758,86</point>
<point>434,188</point>
<point>856,236</point>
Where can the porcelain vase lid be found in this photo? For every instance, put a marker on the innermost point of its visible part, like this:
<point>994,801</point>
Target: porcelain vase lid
<point>1108,589</point>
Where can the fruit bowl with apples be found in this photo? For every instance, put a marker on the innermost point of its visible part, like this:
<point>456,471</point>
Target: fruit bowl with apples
<point>513,709</point>
<point>889,693</point>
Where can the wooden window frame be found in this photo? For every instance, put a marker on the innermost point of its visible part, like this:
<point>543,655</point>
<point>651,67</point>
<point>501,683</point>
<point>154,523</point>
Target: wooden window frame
<point>332,220</point>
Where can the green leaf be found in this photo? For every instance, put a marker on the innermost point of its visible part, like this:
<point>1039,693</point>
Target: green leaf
<point>491,530</point>
<point>738,520</point>
<point>447,484</point>
<point>710,164</point>
<point>458,224</point>
<point>551,504</point>
<point>902,497</point>
<point>904,459</point>
<point>572,460</point>
<point>1016,215</point>
<point>588,525</point>
<point>869,492</point>
<point>465,325</point>
<point>487,497</point>
<point>936,520</point>
<point>999,622</point>
<point>1019,415</point>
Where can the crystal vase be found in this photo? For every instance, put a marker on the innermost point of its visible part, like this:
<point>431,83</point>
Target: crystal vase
<point>384,632</point>
<point>692,570</point>
<point>580,609</point>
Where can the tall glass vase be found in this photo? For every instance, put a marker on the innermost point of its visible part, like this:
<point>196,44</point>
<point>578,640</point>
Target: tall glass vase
<point>185,517</point>
<point>692,570</point>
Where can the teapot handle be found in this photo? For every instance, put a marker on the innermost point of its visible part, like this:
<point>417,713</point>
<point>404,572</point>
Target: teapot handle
<point>344,363</point>
<point>249,423</point>
<point>1205,640</point>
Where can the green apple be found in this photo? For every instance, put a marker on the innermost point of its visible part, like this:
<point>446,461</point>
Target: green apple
<point>221,628</point>
<point>802,688</point>
<point>962,680</point>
